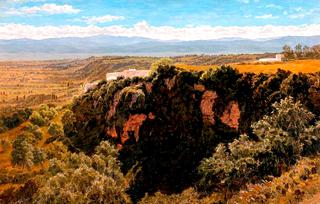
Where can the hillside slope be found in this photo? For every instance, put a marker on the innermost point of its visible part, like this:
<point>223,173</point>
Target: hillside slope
<point>167,123</point>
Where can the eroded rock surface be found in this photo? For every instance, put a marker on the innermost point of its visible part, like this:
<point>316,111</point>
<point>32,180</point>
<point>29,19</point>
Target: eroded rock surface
<point>113,107</point>
<point>132,126</point>
<point>231,115</point>
<point>207,102</point>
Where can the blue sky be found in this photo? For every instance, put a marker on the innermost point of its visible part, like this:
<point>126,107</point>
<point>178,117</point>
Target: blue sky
<point>125,17</point>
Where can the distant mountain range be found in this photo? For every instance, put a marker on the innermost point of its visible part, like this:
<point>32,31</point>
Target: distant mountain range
<point>111,45</point>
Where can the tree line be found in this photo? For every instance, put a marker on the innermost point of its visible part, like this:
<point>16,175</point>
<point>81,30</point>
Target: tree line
<point>301,52</point>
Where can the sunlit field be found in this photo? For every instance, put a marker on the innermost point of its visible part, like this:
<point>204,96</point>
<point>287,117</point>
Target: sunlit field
<point>296,66</point>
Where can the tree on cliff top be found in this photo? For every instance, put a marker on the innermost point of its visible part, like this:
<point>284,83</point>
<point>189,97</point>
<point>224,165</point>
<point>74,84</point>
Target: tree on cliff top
<point>161,62</point>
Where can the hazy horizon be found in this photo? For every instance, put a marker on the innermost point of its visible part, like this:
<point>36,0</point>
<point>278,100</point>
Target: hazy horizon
<point>162,20</point>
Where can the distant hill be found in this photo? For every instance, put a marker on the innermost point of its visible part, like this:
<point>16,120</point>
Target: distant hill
<point>111,45</point>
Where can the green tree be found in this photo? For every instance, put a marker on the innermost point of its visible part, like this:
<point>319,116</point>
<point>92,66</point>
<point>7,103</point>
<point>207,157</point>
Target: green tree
<point>282,138</point>
<point>46,112</point>
<point>287,52</point>
<point>160,63</point>
<point>79,178</point>
<point>298,51</point>
<point>37,119</point>
<point>307,53</point>
<point>33,129</point>
<point>22,154</point>
<point>55,129</point>
<point>56,150</point>
<point>68,120</point>
<point>39,156</point>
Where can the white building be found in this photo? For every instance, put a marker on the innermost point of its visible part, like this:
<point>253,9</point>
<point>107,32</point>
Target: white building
<point>127,74</point>
<point>277,59</point>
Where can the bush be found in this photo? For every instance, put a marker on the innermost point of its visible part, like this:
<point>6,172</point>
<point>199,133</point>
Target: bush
<point>55,129</point>
<point>14,120</point>
<point>163,62</point>
<point>281,139</point>
<point>3,128</point>
<point>56,150</point>
<point>21,154</point>
<point>68,120</point>
<point>39,156</point>
<point>37,119</point>
<point>47,113</point>
<point>34,129</point>
<point>82,179</point>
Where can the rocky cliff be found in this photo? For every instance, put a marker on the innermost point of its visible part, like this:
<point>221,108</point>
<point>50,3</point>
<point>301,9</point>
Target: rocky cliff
<point>166,123</point>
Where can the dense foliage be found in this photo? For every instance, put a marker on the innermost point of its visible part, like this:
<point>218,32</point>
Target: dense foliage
<point>159,126</point>
<point>43,115</point>
<point>14,120</point>
<point>282,137</point>
<point>77,178</point>
<point>25,153</point>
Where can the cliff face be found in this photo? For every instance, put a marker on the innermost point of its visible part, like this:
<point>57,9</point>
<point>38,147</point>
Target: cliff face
<point>165,124</point>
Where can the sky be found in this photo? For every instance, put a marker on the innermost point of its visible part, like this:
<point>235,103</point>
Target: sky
<point>159,19</point>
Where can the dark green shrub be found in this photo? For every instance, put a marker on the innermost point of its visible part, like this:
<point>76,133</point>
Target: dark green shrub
<point>47,112</point>
<point>21,154</point>
<point>34,129</point>
<point>281,139</point>
<point>37,119</point>
<point>39,156</point>
<point>82,179</point>
<point>55,129</point>
<point>68,120</point>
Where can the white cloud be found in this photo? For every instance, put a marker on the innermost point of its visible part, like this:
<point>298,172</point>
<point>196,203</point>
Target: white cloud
<point>244,1</point>
<point>43,9</point>
<point>294,16</point>
<point>300,13</point>
<point>274,6</point>
<point>248,1</point>
<point>101,19</point>
<point>266,16</point>
<point>143,29</point>
<point>25,1</point>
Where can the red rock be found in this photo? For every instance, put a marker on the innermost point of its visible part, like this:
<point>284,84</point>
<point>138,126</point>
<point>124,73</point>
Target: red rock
<point>199,87</point>
<point>112,132</point>
<point>133,125</point>
<point>149,87</point>
<point>231,115</point>
<point>207,102</point>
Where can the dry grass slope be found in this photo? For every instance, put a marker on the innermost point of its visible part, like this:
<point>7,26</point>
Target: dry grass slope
<point>304,66</point>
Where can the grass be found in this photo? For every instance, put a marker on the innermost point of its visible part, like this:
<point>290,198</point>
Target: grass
<point>29,84</point>
<point>5,157</point>
<point>296,66</point>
